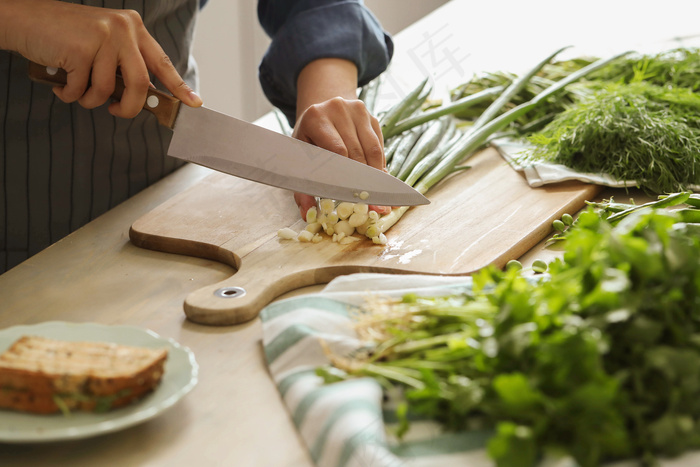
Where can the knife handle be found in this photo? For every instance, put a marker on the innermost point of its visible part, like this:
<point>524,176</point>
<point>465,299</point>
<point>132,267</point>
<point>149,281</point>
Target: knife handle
<point>162,105</point>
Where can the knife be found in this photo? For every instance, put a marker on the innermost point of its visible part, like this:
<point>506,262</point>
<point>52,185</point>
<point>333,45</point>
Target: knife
<point>227,144</point>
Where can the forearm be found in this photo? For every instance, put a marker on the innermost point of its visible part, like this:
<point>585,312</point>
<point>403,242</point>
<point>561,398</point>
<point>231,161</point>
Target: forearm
<point>325,79</point>
<point>13,17</point>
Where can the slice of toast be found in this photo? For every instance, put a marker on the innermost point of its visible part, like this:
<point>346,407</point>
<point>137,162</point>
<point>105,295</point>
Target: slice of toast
<point>43,375</point>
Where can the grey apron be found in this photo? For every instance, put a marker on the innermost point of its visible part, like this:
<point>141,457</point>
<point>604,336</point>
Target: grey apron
<point>62,165</point>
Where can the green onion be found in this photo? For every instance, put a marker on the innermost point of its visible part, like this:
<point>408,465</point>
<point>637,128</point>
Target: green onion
<point>403,149</point>
<point>468,143</point>
<point>416,104</point>
<point>427,142</point>
<point>450,109</point>
<point>511,92</point>
<point>428,162</point>
<point>475,139</point>
<point>671,200</point>
<point>368,93</point>
<point>390,147</point>
<point>389,119</point>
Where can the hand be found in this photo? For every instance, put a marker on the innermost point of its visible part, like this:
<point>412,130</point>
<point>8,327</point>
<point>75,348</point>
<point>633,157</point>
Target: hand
<point>330,116</point>
<point>90,44</point>
<point>344,127</point>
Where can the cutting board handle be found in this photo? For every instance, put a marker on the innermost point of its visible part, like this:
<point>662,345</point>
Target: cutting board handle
<point>162,105</point>
<point>240,298</point>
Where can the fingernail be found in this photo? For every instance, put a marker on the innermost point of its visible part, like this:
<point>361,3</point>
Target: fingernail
<point>195,99</point>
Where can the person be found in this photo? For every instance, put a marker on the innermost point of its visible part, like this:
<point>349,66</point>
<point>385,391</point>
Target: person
<point>68,154</point>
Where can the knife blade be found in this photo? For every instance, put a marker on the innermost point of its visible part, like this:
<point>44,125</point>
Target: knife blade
<point>236,147</point>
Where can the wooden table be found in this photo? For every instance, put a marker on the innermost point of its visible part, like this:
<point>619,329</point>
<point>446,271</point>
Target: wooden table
<point>234,416</point>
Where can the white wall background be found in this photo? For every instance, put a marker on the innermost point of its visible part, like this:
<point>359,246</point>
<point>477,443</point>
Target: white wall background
<point>229,43</point>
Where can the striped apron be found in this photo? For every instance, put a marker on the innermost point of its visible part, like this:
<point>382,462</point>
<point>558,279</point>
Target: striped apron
<point>62,165</point>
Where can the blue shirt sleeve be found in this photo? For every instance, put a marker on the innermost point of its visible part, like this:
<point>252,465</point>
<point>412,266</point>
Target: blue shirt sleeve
<point>305,30</point>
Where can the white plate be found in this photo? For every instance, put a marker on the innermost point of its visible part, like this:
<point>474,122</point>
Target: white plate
<point>179,378</point>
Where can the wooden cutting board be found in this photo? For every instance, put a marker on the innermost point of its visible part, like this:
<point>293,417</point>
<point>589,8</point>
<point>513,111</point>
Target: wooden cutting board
<point>485,215</point>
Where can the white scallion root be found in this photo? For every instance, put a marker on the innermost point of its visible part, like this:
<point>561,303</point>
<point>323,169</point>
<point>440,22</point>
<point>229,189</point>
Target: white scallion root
<point>326,205</point>
<point>341,221</point>
<point>311,215</point>
<point>345,209</point>
<point>287,234</point>
<point>305,236</point>
<point>314,227</point>
<point>357,219</point>
<point>380,239</point>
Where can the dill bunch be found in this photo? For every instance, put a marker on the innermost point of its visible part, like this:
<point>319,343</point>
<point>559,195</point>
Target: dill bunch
<point>638,131</point>
<point>678,67</point>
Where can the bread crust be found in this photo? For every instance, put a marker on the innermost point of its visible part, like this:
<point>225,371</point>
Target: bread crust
<point>84,375</point>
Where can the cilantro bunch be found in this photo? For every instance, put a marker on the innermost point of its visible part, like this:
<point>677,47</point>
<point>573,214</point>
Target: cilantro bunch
<point>611,366</point>
<point>600,360</point>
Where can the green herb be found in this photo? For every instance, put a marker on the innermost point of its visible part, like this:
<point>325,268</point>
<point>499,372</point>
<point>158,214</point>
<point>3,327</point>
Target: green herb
<point>641,132</point>
<point>679,67</point>
<point>614,212</point>
<point>545,77</point>
<point>62,405</point>
<point>600,358</point>
<point>104,403</point>
<point>634,119</point>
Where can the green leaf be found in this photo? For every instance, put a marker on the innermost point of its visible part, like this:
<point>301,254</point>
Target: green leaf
<point>516,394</point>
<point>513,446</point>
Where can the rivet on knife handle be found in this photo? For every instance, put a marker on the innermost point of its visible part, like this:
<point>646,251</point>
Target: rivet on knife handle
<point>160,104</point>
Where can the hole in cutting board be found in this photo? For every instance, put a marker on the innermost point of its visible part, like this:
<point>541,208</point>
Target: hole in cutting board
<point>230,292</point>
